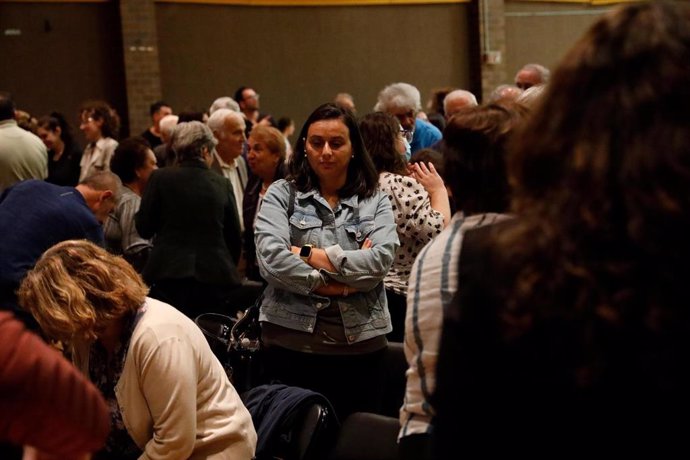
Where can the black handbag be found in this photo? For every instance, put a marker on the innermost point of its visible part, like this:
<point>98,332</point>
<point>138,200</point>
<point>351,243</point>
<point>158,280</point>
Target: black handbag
<point>244,349</point>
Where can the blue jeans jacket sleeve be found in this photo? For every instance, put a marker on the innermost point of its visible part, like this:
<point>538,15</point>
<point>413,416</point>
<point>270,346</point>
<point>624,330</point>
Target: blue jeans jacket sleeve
<point>364,269</point>
<point>277,264</point>
<point>361,269</point>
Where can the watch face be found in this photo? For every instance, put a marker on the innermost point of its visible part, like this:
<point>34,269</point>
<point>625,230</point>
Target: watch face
<point>305,251</point>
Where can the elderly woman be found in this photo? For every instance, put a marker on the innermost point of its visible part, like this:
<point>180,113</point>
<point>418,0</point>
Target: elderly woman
<point>266,160</point>
<point>420,205</point>
<point>325,240</point>
<point>571,333</point>
<point>169,396</point>
<point>133,162</point>
<point>190,213</point>
<point>99,123</point>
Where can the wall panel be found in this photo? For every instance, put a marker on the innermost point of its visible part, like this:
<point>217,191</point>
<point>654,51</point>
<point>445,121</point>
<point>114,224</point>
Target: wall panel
<point>54,56</point>
<point>297,58</point>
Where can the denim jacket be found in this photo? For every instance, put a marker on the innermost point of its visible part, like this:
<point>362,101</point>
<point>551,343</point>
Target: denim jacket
<point>289,300</point>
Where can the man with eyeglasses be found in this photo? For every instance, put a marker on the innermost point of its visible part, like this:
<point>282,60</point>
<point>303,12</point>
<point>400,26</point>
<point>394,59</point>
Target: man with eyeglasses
<point>248,100</point>
<point>403,101</point>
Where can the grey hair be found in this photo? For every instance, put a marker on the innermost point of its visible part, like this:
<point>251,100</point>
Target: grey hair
<point>459,94</point>
<point>102,181</point>
<point>224,102</point>
<point>217,120</point>
<point>190,138</point>
<point>531,95</point>
<point>544,73</point>
<point>504,91</point>
<point>398,96</point>
<point>167,124</point>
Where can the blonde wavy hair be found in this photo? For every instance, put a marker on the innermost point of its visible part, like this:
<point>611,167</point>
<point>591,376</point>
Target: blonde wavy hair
<point>77,289</point>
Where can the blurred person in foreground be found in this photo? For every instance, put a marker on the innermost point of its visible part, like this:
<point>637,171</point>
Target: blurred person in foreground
<point>45,402</point>
<point>168,395</point>
<point>571,331</point>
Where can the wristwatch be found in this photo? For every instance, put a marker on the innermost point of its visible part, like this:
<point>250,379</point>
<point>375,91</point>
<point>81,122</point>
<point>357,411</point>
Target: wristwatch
<point>305,252</point>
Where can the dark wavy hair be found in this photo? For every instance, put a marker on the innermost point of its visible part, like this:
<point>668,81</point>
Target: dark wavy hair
<point>380,132</point>
<point>601,179</point>
<point>474,153</point>
<point>100,110</point>
<point>362,179</point>
<point>130,155</point>
<point>54,121</point>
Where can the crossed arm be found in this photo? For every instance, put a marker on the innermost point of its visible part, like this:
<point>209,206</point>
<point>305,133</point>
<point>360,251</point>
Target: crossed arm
<point>320,261</point>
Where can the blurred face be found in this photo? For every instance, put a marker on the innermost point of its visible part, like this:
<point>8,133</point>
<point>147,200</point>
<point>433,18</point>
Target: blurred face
<point>144,172</point>
<point>231,141</point>
<point>261,161</point>
<point>49,138</point>
<point>103,206</point>
<point>90,127</point>
<point>250,99</point>
<point>162,112</point>
<point>526,79</point>
<point>329,151</point>
<point>456,105</point>
<point>406,117</point>
<point>400,142</point>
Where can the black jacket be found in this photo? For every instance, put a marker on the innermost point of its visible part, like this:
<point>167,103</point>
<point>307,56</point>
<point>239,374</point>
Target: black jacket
<point>190,213</point>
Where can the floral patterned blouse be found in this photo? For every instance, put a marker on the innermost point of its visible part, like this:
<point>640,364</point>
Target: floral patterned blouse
<point>418,223</point>
<point>105,373</point>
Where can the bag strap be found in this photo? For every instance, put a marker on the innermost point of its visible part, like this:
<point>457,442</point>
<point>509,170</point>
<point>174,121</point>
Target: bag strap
<point>291,199</point>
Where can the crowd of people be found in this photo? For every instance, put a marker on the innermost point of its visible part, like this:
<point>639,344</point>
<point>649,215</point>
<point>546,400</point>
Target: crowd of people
<point>527,252</point>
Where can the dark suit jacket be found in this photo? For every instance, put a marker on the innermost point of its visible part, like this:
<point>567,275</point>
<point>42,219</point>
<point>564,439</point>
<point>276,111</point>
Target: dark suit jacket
<point>190,213</point>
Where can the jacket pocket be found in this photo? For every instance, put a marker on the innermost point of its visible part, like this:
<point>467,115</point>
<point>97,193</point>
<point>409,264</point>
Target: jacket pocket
<point>360,230</point>
<point>304,229</point>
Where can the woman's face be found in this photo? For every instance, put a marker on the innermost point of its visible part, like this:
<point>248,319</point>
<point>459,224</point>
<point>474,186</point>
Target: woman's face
<point>329,151</point>
<point>144,172</point>
<point>49,138</point>
<point>261,161</point>
<point>400,142</point>
<point>90,127</point>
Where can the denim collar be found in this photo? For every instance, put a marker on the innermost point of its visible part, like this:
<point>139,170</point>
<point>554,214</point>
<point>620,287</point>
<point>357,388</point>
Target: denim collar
<point>350,201</point>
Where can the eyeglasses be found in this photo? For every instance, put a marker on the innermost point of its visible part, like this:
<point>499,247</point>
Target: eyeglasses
<point>407,134</point>
<point>253,96</point>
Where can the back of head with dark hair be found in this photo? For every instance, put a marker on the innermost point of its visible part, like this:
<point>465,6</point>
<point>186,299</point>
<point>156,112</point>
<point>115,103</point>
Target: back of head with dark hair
<point>185,116</point>
<point>130,155</point>
<point>362,179</point>
<point>238,94</point>
<point>475,157</point>
<point>431,156</point>
<point>7,106</point>
<point>380,132</point>
<point>283,123</point>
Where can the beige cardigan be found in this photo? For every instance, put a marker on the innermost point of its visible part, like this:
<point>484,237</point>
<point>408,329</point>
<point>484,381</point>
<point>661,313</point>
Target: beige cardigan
<point>175,398</point>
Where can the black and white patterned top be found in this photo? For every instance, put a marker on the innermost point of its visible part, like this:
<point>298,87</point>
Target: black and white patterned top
<point>417,224</point>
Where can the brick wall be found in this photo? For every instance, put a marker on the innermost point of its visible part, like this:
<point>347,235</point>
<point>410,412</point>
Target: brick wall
<point>142,67</point>
<point>493,45</point>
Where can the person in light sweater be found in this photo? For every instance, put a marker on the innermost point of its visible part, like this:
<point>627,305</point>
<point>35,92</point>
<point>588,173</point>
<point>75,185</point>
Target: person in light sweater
<point>169,396</point>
